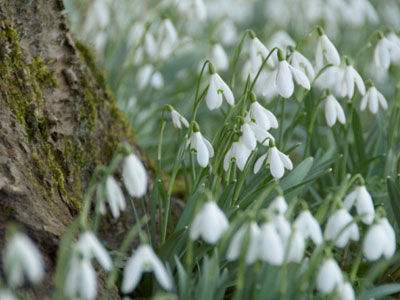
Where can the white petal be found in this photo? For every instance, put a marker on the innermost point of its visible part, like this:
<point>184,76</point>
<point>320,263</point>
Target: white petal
<point>346,291</point>
<point>134,176</point>
<point>390,245</point>
<point>287,163</point>
<point>284,80</point>
<point>132,274</point>
<point>374,242</point>
<point>300,78</point>
<point>248,137</point>
<point>329,276</point>
<point>201,149</point>
<point>276,165</point>
<point>161,274</point>
<point>209,147</point>
<point>259,163</point>
<point>365,206</point>
<point>358,80</point>
<point>331,53</point>
<point>330,111</point>
<point>382,100</point>
<point>87,282</point>
<point>271,248</point>
<point>213,97</point>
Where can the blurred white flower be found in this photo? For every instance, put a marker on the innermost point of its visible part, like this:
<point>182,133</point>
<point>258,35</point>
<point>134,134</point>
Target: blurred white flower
<point>283,227</point>
<point>277,162</point>
<point>22,258</point>
<point>210,223</point>
<point>271,247</point>
<point>373,99</point>
<point>115,197</point>
<point>333,111</point>
<point>227,32</point>
<point>300,62</point>
<point>382,52</point>
<point>147,75</point>
<point>219,58</point>
<point>248,136</point>
<point>167,39</point>
<point>345,291</point>
<point>395,40</point>
<point>240,153</point>
<point>136,34</point>
<point>262,116</point>
<point>134,176</point>
<point>326,52</point>
<point>278,205</point>
<point>363,202</point>
<point>81,282</point>
<point>236,243</point>
<point>144,260</point>
<point>309,227</point>
<point>193,9</point>
<point>329,277</point>
<point>341,228</point>
<point>258,53</point>
<point>280,39</point>
<point>216,91</point>
<point>350,79</point>
<point>379,241</point>
<point>150,45</point>
<point>178,120</point>
<point>203,148</point>
<point>295,246</point>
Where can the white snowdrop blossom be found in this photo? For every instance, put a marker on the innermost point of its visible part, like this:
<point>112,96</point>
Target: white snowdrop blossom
<point>384,52</point>
<point>219,58</point>
<point>21,259</point>
<point>379,241</point>
<point>115,197</point>
<point>277,162</point>
<point>261,134</point>
<point>210,223</point>
<point>178,120</point>
<point>333,111</point>
<point>144,260</point>
<point>283,227</point>
<point>345,291</point>
<point>150,45</point>
<point>147,75</point>
<point>235,245</point>
<point>285,77</point>
<point>134,176</point>
<point>295,246</point>
<point>271,248</point>
<point>262,116</point>
<point>350,79</point>
<point>340,228</point>
<point>240,153</point>
<point>258,53</point>
<point>278,205</point>
<point>203,148</point>
<point>363,203</point>
<point>167,39</point>
<point>217,90</point>
<point>227,32</point>
<point>193,9</point>
<point>300,62</point>
<point>329,277</point>
<point>7,295</point>
<point>373,99</point>
<point>309,227</point>
<point>326,52</point>
<point>81,282</point>
<point>248,137</point>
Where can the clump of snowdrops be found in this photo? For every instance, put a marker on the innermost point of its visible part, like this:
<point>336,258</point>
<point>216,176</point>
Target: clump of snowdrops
<point>284,153</point>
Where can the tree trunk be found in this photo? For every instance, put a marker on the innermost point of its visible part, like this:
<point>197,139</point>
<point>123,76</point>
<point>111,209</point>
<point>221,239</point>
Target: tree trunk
<point>57,121</point>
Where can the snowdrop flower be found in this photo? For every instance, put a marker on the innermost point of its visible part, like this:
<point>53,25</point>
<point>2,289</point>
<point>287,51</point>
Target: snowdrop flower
<point>88,246</point>
<point>219,58</point>
<point>227,32</point>
<point>329,277</point>
<point>384,51</point>
<point>282,40</point>
<point>300,62</point>
<point>144,260</point>
<point>168,38</point>
<point>210,223</point>
<point>22,258</point>
<point>271,247</point>
<point>278,205</point>
<point>235,246</point>
<point>115,197</point>
<point>262,135</point>
<point>373,99</point>
<point>258,53</point>
<point>147,75</point>
<point>395,40</point>
<point>262,116</point>
<point>277,162</point>
<point>350,79</point>
<point>345,291</point>
<point>379,241</point>
<point>325,51</point>
<point>283,227</point>
<point>177,119</point>
<point>341,229</point>
<point>309,227</point>
<point>150,45</point>
<point>217,90</point>
<point>194,9</point>
<point>285,77</point>
<point>248,137</point>
<point>295,246</point>
<point>203,148</point>
<point>363,202</point>
<point>80,282</point>
<point>134,176</point>
<point>240,153</point>
<point>333,111</point>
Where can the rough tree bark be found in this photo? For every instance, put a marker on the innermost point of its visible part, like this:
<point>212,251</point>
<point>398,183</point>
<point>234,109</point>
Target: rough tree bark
<point>57,121</point>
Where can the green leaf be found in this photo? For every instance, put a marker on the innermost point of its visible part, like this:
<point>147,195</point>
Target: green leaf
<point>394,197</point>
<point>383,291</point>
